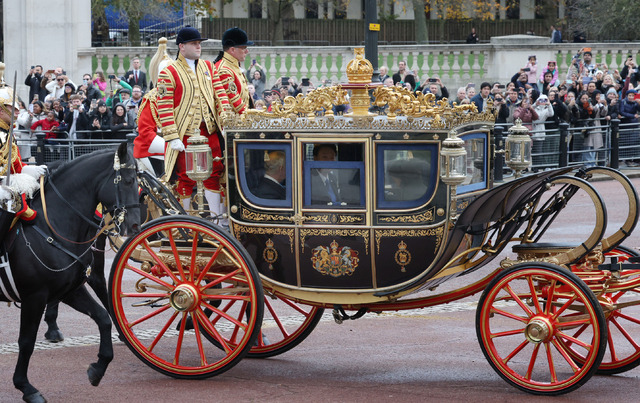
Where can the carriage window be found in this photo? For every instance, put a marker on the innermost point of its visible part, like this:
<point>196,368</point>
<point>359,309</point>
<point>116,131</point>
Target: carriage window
<point>476,146</point>
<point>406,174</point>
<point>334,175</point>
<point>265,173</point>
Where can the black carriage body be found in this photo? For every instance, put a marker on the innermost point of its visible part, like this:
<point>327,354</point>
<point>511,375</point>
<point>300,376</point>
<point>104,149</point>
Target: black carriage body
<point>383,236</point>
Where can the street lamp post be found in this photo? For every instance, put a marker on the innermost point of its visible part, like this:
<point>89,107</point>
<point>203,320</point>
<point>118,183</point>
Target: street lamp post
<point>371,36</point>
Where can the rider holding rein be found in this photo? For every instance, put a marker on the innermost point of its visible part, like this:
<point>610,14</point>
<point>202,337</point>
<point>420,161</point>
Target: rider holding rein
<point>24,178</point>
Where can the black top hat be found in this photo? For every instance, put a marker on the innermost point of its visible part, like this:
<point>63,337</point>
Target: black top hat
<point>189,34</point>
<point>235,37</point>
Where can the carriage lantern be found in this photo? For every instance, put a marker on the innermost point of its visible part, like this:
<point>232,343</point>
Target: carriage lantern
<point>199,163</point>
<point>518,148</point>
<point>453,160</point>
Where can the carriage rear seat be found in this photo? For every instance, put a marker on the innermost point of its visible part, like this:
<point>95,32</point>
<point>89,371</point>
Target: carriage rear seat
<point>538,250</point>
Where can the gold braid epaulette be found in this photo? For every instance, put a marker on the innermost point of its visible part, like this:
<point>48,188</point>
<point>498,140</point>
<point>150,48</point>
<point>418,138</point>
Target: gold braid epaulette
<point>150,99</point>
<point>4,155</point>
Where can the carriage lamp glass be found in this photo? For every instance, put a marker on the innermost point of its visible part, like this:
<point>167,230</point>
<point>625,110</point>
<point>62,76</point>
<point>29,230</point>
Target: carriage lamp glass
<point>518,148</point>
<point>453,160</point>
<point>198,164</point>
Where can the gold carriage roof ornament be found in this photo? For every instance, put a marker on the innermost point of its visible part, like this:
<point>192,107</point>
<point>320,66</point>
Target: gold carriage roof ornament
<point>397,107</point>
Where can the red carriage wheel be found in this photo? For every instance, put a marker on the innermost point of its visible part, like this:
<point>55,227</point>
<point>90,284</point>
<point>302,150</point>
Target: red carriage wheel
<point>622,313</point>
<point>174,269</point>
<point>525,319</point>
<point>285,325</point>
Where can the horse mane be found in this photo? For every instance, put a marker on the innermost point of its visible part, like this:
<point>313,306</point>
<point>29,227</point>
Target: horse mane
<point>60,166</point>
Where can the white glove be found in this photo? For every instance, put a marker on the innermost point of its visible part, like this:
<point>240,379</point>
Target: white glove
<point>176,144</point>
<point>35,171</point>
<point>5,193</point>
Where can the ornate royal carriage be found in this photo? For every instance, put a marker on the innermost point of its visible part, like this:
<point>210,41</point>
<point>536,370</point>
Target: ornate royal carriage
<point>413,205</point>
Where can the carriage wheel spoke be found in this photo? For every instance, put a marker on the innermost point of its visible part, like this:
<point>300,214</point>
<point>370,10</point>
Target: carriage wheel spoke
<point>225,315</point>
<point>506,314</point>
<point>624,331</point>
<point>552,367</point>
<point>196,327</point>
<point>183,324</point>
<point>276,318</point>
<point>212,330</point>
<point>162,331</point>
<point>176,256</point>
<point>149,276</point>
<point>209,264</point>
<point>561,349</point>
<point>518,300</point>
<point>149,316</point>
<point>241,314</point>
<point>219,280</point>
<point>160,263</point>
<point>534,295</point>
<point>515,352</point>
<point>507,333</point>
<point>532,362</point>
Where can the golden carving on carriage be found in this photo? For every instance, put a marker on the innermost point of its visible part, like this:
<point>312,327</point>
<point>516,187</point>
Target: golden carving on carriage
<point>371,211</point>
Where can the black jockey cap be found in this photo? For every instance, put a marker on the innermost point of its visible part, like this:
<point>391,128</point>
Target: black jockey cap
<point>189,34</point>
<point>235,37</point>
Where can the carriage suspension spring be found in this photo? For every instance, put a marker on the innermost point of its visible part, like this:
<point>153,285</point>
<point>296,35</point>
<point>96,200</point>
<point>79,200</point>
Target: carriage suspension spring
<point>339,314</point>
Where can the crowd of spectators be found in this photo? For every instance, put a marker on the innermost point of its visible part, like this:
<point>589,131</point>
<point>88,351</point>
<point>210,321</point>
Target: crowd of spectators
<point>588,95</point>
<point>98,108</point>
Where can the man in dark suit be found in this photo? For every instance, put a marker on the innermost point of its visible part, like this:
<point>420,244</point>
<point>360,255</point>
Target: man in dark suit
<point>271,184</point>
<point>135,76</point>
<point>325,189</point>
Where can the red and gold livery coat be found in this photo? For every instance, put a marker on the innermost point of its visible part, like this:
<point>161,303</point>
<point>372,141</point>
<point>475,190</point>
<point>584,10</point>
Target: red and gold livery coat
<point>148,125</point>
<point>234,83</point>
<point>186,99</point>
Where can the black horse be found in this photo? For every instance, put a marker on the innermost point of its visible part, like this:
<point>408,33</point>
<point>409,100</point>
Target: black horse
<point>51,256</point>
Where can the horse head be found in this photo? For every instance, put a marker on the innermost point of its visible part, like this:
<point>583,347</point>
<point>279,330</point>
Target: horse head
<point>120,196</point>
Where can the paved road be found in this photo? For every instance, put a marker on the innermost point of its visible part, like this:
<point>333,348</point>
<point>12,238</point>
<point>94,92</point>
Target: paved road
<point>424,355</point>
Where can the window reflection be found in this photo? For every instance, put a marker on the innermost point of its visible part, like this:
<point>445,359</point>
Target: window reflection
<point>407,173</point>
<point>265,173</point>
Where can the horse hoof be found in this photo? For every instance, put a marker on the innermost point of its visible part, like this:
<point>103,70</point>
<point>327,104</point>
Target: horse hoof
<point>95,376</point>
<point>34,398</point>
<point>188,324</point>
<point>54,336</point>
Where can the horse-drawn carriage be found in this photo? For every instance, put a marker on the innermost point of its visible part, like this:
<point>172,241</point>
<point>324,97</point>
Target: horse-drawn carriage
<point>372,212</point>
<point>369,213</point>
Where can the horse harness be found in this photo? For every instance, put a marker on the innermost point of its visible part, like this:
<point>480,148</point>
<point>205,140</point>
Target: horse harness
<point>118,211</point>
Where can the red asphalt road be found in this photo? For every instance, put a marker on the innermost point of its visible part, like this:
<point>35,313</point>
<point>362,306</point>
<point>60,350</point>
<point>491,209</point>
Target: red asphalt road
<point>410,357</point>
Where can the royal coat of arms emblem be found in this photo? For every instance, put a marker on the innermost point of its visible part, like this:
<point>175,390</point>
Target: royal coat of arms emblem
<point>334,261</point>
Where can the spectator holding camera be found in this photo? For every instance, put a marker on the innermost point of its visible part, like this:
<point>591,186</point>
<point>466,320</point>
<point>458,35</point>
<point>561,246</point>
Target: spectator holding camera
<point>33,81</point>
<point>630,70</point>
<point>503,110</point>
<point>76,119</point>
<point>531,69</point>
<point>100,81</point>
<point>544,110</point>
<point>511,103</point>
<point>257,77</point>
<point>436,88</point>
<point>526,113</point>
<point>100,121</point>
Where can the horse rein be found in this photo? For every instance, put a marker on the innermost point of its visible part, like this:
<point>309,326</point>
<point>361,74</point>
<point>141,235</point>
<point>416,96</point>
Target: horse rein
<point>119,211</point>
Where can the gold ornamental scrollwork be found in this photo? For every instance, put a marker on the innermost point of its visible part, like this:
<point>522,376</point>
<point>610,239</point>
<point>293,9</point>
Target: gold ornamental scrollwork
<point>306,232</point>
<point>409,233</point>
<point>239,228</point>
<point>254,216</point>
<point>349,219</point>
<point>421,218</point>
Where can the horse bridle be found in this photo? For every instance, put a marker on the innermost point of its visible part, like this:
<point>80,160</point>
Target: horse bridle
<point>119,210</point>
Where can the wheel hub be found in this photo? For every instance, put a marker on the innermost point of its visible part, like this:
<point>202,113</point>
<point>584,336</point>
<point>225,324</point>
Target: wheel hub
<point>538,330</point>
<point>184,298</point>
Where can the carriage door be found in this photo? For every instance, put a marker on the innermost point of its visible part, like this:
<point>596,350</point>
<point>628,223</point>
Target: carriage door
<point>333,238</point>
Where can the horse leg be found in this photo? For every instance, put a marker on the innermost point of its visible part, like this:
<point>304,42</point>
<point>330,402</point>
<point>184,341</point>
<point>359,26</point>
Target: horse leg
<point>97,280</point>
<point>83,302</point>
<point>53,333</point>
<point>30,317</point>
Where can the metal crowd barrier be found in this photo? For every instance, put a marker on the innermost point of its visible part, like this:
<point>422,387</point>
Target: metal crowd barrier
<point>566,146</point>
<point>34,149</point>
